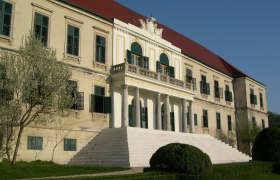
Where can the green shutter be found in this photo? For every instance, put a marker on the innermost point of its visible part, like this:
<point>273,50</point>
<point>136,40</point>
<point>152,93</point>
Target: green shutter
<point>171,72</point>
<point>107,105</point>
<point>201,87</point>
<point>172,121</point>
<point>195,119</point>
<point>80,101</point>
<point>158,67</point>
<point>208,88</point>
<point>131,115</point>
<point>128,56</point>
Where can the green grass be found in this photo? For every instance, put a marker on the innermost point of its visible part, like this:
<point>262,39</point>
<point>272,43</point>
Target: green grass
<point>48,169</point>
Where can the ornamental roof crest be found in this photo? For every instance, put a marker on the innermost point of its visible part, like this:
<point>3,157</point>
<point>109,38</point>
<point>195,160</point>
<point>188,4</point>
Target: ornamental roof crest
<point>150,26</point>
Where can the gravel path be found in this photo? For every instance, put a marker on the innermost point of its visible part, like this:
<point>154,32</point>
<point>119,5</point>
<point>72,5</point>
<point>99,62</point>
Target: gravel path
<point>130,171</point>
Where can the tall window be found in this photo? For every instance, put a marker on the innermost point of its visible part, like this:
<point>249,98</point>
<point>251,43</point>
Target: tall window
<point>73,35</point>
<point>34,143</point>
<point>5,18</point>
<point>254,123</point>
<point>217,89</point>
<point>41,27</point>
<point>263,124</point>
<point>218,120</point>
<point>195,119</point>
<point>253,97</point>
<point>100,49</point>
<point>261,100</point>
<point>78,97</point>
<point>163,66</point>
<point>228,94</point>
<point>99,102</point>
<point>135,56</point>
<point>204,86</point>
<point>189,76</point>
<point>205,119</point>
<point>229,123</point>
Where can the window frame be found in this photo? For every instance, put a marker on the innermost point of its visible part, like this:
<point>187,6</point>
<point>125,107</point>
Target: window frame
<point>229,122</point>
<point>49,25</point>
<point>218,121</point>
<point>79,39</point>
<point>95,48</point>
<point>32,142</point>
<point>11,20</point>
<point>66,148</point>
<point>205,119</point>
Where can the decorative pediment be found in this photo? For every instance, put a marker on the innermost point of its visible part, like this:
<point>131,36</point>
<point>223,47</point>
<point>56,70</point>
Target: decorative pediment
<point>150,26</point>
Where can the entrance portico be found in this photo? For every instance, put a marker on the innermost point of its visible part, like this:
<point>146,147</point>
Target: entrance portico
<point>176,101</point>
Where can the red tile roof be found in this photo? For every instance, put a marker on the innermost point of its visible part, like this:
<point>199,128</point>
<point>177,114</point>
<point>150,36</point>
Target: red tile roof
<point>111,9</point>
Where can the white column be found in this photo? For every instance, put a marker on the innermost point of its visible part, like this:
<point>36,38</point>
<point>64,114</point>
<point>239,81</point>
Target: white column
<point>137,122</point>
<point>113,121</point>
<point>167,113</point>
<point>125,106</point>
<point>191,118</point>
<point>184,116</point>
<point>159,124</point>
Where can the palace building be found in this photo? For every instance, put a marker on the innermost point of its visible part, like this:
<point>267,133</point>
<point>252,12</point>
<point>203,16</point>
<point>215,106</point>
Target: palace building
<point>140,85</point>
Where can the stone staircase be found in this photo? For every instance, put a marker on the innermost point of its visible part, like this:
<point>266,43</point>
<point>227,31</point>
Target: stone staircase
<point>133,147</point>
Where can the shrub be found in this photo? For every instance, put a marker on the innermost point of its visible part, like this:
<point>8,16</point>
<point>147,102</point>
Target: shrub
<point>181,158</point>
<point>267,145</point>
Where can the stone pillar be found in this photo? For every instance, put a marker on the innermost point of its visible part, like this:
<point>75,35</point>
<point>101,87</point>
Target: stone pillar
<point>184,116</point>
<point>191,118</point>
<point>159,124</point>
<point>112,123</point>
<point>167,113</point>
<point>125,106</point>
<point>137,122</point>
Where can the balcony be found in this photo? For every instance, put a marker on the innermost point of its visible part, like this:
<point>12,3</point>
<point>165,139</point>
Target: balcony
<point>125,67</point>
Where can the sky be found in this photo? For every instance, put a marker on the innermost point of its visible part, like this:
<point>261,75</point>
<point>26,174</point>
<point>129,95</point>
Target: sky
<point>244,32</point>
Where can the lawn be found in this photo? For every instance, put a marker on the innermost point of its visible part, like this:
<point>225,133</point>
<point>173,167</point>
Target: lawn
<point>48,169</point>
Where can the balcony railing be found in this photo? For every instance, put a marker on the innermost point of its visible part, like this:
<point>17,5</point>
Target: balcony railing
<point>124,67</point>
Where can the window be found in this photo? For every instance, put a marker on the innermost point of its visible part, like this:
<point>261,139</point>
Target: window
<point>5,18</point>
<point>41,27</point>
<point>217,89</point>
<point>218,120</point>
<point>100,103</point>
<point>163,66</point>
<point>100,50</point>
<point>263,124</point>
<point>70,144</point>
<point>228,94</point>
<point>254,122</point>
<point>195,119</point>
<point>78,97</point>
<point>205,119</point>
<point>35,143</point>
<point>204,86</point>
<point>229,123</point>
<point>261,100</point>
<point>135,56</point>
<point>189,76</point>
<point>253,97</point>
<point>73,34</point>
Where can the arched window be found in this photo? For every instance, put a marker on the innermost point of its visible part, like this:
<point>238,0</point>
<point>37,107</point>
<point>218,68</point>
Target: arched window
<point>135,56</point>
<point>163,66</point>
<point>143,115</point>
<point>164,59</point>
<point>136,48</point>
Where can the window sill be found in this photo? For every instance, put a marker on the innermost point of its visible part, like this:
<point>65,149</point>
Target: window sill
<point>217,99</point>
<point>99,65</point>
<point>228,103</point>
<point>253,106</point>
<point>205,96</point>
<point>6,39</point>
<point>72,58</point>
<point>99,116</point>
<point>205,130</point>
<point>262,108</point>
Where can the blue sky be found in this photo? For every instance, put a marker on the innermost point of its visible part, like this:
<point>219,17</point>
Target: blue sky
<point>244,32</point>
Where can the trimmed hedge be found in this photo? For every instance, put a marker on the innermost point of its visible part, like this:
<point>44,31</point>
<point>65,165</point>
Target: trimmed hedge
<point>181,158</point>
<point>267,145</point>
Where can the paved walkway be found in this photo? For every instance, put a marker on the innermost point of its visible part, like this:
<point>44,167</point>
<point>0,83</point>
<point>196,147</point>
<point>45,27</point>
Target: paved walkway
<point>130,171</point>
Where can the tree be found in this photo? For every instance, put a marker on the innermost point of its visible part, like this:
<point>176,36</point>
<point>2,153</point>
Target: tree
<point>273,119</point>
<point>33,90</point>
<point>246,134</point>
